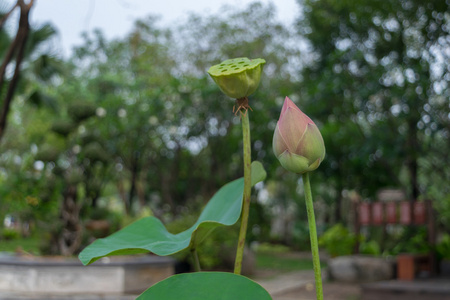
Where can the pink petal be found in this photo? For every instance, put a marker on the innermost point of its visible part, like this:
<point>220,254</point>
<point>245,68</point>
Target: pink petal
<point>286,104</point>
<point>311,144</point>
<point>278,143</point>
<point>292,126</point>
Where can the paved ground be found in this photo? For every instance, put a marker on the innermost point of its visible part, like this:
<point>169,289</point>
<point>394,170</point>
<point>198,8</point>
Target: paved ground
<point>22,296</point>
<point>332,291</point>
<point>300,286</point>
<point>297,285</point>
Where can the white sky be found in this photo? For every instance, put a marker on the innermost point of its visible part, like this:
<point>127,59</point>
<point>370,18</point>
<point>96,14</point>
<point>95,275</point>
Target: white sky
<point>116,17</point>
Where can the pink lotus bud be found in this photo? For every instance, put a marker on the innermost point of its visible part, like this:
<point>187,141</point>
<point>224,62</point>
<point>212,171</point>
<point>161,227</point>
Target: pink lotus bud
<point>297,141</point>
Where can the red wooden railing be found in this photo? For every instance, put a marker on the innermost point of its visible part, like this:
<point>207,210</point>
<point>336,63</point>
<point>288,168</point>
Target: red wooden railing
<point>407,213</point>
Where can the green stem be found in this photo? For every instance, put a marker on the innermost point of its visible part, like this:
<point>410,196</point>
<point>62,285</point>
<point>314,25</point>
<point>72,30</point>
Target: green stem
<point>313,236</point>
<point>247,192</point>
<point>196,260</point>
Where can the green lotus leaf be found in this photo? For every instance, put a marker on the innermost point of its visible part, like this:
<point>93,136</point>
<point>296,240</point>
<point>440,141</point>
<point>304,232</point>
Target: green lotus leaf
<point>206,286</point>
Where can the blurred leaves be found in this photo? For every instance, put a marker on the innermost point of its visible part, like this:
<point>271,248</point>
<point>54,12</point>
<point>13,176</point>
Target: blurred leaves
<point>377,84</point>
<point>140,124</point>
<point>150,235</point>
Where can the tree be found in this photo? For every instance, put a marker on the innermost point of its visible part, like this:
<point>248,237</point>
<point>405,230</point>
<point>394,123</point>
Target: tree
<point>17,48</point>
<point>168,125</point>
<point>164,135</point>
<point>23,48</point>
<point>377,80</point>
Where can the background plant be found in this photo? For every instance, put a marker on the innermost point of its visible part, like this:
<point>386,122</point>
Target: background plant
<point>374,85</point>
<point>338,240</point>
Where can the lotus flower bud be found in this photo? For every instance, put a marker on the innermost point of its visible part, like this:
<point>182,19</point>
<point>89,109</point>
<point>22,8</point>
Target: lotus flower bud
<point>239,77</point>
<point>297,141</point>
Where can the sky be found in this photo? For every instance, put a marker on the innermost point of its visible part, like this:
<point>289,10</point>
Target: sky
<point>116,17</point>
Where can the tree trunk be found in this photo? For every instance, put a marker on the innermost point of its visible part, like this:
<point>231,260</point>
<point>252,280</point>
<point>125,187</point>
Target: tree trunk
<point>338,208</point>
<point>135,170</point>
<point>18,45</point>
<point>413,172</point>
<point>132,190</point>
<point>168,179</point>
<point>140,189</point>
<point>412,163</point>
<point>122,194</point>
<point>69,240</point>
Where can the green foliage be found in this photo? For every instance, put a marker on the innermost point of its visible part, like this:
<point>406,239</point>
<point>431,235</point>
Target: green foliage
<point>99,213</point>
<point>112,219</point>
<point>207,286</point>
<point>370,248</point>
<point>272,248</point>
<point>281,258</point>
<point>24,196</point>
<point>165,136</point>
<point>284,263</point>
<point>443,209</point>
<point>372,82</point>
<point>48,153</point>
<point>80,111</point>
<point>300,235</point>
<point>412,240</point>
<point>259,223</point>
<point>10,234</point>
<point>443,247</point>
<point>63,127</point>
<point>95,153</point>
<point>215,252</point>
<point>28,245</point>
<point>338,241</point>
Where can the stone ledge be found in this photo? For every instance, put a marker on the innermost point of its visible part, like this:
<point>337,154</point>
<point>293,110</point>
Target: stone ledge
<point>360,268</point>
<point>116,275</point>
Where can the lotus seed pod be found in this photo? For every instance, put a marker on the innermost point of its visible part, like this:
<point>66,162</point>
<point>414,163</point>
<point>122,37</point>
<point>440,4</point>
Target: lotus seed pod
<point>239,77</point>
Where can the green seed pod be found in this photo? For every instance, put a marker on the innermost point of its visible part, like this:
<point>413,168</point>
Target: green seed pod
<point>239,77</point>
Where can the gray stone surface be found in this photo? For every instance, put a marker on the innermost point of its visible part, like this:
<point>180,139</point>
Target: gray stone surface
<point>286,282</point>
<point>31,296</point>
<point>358,268</point>
<point>248,263</point>
<point>115,277</point>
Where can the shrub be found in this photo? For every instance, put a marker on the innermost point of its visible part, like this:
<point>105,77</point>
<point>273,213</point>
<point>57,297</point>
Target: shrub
<point>338,241</point>
<point>443,247</point>
<point>370,247</point>
<point>213,252</point>
<point>412,240</point>
<point>10,234</point>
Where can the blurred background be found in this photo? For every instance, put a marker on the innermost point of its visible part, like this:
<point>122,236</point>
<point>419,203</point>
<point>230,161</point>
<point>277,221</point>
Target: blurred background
<point>121,126</point>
